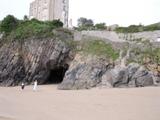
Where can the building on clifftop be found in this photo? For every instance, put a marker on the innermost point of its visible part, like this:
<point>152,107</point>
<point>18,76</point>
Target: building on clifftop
<point>50,10</point>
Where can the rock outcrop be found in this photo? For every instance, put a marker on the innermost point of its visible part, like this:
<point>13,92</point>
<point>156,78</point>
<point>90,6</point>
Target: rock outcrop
<point>84,72</point>
<point>52,60</point>
<point>11,65</point>
<point>33,59</point>
<point>88,72</point>
<point>131,76</point>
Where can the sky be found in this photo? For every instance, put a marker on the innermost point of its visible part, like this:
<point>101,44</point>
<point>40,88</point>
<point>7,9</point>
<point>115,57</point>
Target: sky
<point>122,12</point>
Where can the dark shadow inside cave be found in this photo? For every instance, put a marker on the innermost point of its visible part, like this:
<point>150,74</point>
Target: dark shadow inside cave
<point>56,75</point>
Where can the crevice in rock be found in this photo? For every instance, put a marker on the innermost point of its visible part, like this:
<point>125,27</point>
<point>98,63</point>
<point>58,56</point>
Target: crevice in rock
<point>56,75</point>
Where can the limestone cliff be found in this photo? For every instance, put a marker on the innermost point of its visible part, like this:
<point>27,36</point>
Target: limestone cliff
<point>53,60</point>
<point>34,59</point>
<point>86,72</point>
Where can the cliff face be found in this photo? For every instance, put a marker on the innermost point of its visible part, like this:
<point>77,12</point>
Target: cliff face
<point>34,59</point>
<point>86,72</point>
<point>52,60</point>
<point>11,65</point>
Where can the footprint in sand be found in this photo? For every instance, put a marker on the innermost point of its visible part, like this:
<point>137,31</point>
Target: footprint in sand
<point>5,118</point>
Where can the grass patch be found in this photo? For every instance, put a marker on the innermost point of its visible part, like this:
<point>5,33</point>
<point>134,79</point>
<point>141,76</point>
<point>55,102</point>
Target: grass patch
<point>99,48</point>
<point>15,29</point>
<point>138,28</point>
<point>30,29</point>
<point>33,28</point>
<point>145,54</point>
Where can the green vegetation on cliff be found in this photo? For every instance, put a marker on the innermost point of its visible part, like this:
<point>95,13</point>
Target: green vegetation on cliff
<point>145,53</point>
<point>138,28</point>
<point>35,28</point>
<point>21,29</point>
<point>88,24</point>
<point>99,48</point>
<point>8,24</point>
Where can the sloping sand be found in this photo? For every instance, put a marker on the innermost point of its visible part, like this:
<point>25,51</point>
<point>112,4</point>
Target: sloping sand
<point>105,104</point>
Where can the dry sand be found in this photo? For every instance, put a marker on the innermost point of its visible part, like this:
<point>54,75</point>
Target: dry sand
<point>105,104</point>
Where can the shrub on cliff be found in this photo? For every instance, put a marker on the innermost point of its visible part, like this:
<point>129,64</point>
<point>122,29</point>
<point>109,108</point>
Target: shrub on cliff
<point>99,48</point>
<point>100,26</point>
<point>21,29</point>
<point>145,54</point>
<point>35,28</point>
<point>130,29</point>
<point>55,24</point>
<point>30,28</point>
<point>85,24</point>
<point>138,28</point>
<point>152,27</point>
<point>8,24</point>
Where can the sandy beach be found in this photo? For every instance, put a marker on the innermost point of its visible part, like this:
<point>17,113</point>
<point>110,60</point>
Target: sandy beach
<point>48,103</point>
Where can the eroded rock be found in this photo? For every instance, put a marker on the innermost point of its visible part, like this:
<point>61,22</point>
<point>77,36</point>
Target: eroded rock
<point>32,60</point>
<point>131,76</point>
<point>84,72</point>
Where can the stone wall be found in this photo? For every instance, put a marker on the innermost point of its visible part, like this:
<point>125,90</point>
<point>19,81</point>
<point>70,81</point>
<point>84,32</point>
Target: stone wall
<point>153,36</point>
<point>111,36</point>
<point>118,37</point>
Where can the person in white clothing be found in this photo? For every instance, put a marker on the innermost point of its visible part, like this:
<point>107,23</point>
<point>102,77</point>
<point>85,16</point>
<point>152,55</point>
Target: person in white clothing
<point>35,85</point>
<point>22,86</point>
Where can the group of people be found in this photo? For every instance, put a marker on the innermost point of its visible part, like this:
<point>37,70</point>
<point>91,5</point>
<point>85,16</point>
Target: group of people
<point>34,86</point>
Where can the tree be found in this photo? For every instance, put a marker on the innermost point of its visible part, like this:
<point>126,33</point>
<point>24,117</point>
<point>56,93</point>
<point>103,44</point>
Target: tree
<point>89,23</point>
<point>8,24</point>
<point>25,18</point>
<point>100,26</point>
<point>84,22</point>
<point>81,21</point>
<point>56,24</point>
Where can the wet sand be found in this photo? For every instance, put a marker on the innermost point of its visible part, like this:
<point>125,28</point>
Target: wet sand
<point>48,103</point>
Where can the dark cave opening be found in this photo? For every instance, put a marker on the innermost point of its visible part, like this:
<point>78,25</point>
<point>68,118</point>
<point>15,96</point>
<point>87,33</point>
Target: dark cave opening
<point>56,75</point>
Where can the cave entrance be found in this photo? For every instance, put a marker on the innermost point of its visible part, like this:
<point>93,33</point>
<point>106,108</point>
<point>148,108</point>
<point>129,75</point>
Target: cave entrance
<point>56,75</point>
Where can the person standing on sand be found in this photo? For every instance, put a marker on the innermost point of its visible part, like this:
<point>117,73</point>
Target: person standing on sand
<point>22,86</point>
<point>35,85</point>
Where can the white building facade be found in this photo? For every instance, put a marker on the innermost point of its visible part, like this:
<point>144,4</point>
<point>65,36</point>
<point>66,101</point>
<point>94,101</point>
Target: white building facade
<point>50,10</point>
